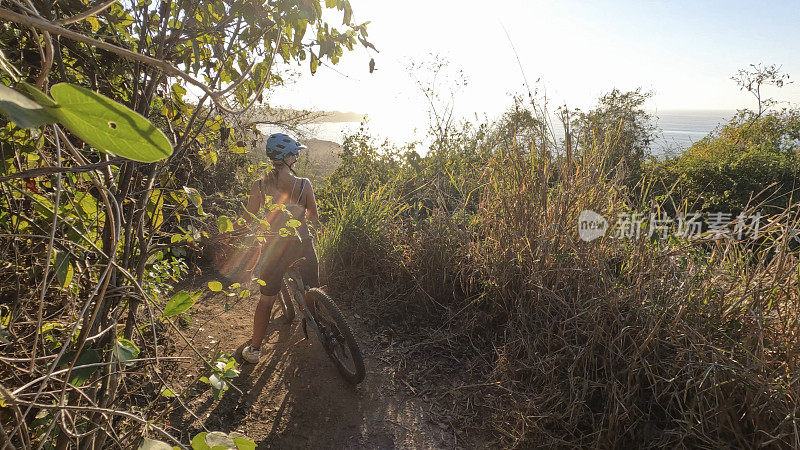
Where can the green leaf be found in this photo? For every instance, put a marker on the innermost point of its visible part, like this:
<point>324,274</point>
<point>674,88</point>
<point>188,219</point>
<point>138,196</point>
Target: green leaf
<point>152,444</point>
<point>4,334</point>
<point>23,111</point>
<point>293,223</point>
<point>194,196</point>
<point>108,125</point>
<point>79,376</point>
<point>93,22</point>
<point>37,95</point>
<point>219,439</point>
<point>178,90</point>
<point>224,224</point>
<point>215,286</point>
<point>199,442</point>
<point>167,392</point>
<point>348,13</point>
<point>242,443</point>
<point>217,383</point>
<point>180,302</point>
<point>64,269</point>
<point>126,351</point>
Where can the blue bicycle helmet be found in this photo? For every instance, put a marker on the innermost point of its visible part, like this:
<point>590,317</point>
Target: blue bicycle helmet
<point>280,145</point>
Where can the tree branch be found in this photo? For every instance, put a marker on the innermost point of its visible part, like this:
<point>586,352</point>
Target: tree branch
<point>164,66</point>
<point>51,170</point>
<point>78,17</point>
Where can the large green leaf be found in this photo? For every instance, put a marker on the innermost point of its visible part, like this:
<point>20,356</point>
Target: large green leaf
<point>108,125</point>
<point>80,375</point>
<point>39,96</point>
<point>22,110</point>
<point>180,302</point>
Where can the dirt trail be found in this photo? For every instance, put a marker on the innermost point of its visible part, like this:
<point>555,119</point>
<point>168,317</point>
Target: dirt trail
<point>294,397</point>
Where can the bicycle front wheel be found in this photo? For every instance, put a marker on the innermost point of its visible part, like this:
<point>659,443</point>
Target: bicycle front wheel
<point>337,336</point>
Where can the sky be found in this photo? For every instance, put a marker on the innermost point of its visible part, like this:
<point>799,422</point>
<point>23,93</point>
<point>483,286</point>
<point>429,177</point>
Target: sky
<point>684,52</point>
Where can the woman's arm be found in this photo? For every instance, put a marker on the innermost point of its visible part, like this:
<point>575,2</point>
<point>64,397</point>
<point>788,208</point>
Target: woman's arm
<point>310,203</point>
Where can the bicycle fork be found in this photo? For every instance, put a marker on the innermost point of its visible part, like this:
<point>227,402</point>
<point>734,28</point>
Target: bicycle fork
<point>300,298</point>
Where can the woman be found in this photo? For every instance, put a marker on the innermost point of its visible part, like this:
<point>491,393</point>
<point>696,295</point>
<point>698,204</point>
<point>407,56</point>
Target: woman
<point>278,252</point>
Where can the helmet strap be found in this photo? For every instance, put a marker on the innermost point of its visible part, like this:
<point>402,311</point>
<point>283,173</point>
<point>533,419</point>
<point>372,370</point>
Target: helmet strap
<point>289,166</point>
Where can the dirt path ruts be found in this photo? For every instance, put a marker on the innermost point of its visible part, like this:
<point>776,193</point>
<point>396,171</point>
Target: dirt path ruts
<point>294,397</point>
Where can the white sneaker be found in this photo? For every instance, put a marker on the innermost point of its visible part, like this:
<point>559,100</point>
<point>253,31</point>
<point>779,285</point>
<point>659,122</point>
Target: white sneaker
<point>250,354</point>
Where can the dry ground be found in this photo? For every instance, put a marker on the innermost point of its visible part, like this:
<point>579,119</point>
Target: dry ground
<point>294,397</point>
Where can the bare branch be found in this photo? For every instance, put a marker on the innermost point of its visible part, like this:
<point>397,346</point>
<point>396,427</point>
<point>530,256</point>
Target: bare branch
<point>166,67</point>
<point>38,172</point>
<point>84,15</point>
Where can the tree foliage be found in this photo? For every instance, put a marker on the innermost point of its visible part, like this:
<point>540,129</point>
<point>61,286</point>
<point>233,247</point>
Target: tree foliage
<point>620,124</point>
<point>93,242</point>
<point>752,160</point>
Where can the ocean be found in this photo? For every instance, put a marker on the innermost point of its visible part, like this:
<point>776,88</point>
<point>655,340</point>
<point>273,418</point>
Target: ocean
<point>680,129</point>
<point>677,130</point>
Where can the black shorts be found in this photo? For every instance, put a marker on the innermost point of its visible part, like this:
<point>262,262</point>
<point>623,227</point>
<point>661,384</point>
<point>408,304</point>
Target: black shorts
<point>278,254</point>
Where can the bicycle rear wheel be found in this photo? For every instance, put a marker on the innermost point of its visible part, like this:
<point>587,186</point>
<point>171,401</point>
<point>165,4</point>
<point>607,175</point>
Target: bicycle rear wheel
<point>337,336</point>
<point>286,303</point>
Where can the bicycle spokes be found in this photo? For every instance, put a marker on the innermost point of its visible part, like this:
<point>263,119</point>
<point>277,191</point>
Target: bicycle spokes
<point>334,342</point>
<point>335,335</point>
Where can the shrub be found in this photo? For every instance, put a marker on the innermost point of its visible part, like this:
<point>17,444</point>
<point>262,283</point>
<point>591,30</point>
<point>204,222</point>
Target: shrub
<point>550,339</point>
<point>749,158</point>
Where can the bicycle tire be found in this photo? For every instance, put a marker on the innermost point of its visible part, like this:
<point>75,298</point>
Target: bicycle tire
<point>286,303</point>
<point>356,375</point>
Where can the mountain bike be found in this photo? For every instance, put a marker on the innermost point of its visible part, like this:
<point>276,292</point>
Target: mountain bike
<point>323,316</point>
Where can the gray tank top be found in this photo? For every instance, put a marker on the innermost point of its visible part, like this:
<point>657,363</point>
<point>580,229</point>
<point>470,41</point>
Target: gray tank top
<point>297,209</point>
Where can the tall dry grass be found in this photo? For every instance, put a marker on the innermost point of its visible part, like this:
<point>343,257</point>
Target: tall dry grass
<point>514,325</point>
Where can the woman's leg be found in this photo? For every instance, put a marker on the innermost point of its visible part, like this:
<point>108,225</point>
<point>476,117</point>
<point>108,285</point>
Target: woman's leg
<point>271,274</point>
<point>261,319</point>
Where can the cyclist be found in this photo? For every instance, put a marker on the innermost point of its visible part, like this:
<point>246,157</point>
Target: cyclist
<point>278,252</point>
